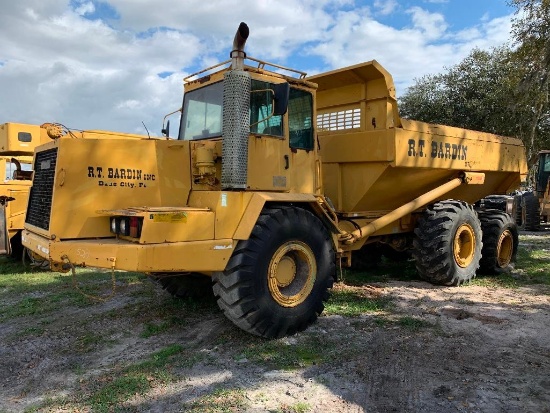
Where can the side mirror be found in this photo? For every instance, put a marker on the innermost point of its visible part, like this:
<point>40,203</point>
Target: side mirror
<point>282,92</point>
<point>166,130</point>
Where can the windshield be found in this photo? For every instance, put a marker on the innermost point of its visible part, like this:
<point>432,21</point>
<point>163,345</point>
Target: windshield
<point>202,113</point>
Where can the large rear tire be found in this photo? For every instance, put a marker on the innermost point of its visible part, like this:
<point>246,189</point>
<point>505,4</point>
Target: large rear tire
<point>500,241</point>
<point>276,281</point>
<point>447,243</point>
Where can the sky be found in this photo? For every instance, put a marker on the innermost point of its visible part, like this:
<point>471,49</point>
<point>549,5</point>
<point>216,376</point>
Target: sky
<point>118,64</point>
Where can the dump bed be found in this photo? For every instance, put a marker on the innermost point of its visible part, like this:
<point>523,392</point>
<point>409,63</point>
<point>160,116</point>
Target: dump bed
<point>374,161</point>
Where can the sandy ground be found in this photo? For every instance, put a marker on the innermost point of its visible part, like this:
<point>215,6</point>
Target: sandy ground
<point>475,349</point>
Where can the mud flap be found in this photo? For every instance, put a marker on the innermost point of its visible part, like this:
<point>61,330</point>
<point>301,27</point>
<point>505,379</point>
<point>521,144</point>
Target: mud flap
<point>5,246</point>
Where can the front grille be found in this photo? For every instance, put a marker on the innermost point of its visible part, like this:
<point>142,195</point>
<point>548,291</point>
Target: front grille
<point>40,198</point>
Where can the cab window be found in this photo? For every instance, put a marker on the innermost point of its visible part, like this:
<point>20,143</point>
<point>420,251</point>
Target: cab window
<point>300,125</point>
<point>261,109</point>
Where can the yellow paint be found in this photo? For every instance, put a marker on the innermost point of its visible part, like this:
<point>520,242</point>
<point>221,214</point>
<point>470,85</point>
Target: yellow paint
<point>378,161</point>
<point>174,256</point>
<point>171,218</point>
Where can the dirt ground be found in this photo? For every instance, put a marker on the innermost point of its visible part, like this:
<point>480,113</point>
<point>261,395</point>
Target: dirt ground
<point>469,349</point>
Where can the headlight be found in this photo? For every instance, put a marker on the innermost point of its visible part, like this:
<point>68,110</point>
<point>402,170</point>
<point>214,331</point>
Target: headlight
<point>114,225</point>
<point>124,226</point>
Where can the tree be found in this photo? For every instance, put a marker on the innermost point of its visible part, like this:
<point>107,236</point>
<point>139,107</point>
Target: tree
<point>475,94</point>
<point>531,29</point>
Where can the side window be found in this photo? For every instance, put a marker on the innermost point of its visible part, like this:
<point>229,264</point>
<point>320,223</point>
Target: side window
<point>261,108</point>
<point>17,170</point>
<point>300,125</point>
<point>24,137</point>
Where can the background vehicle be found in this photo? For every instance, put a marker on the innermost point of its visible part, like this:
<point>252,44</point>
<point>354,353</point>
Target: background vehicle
<point>274,179</point>
<point>17,144</point>
<point>534,206</point>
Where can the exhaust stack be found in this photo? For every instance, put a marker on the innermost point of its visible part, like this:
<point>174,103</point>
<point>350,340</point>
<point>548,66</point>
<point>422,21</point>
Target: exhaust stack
<point>237,54</point>
<point>236,116</point>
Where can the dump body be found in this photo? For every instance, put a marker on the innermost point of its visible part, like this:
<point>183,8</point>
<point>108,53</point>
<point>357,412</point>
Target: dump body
<point>374,161</point>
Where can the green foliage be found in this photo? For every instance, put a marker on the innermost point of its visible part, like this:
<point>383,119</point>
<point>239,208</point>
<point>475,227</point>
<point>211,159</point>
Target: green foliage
<point>299,407</point>
<point>479,93</point>
<point>531,30</point>
<point>135,379</point>
<point>219,401</point>
<point>282,355</point>
<point>353,302</point>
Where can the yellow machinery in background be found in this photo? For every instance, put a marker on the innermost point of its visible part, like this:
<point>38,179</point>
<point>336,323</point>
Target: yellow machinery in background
<point>17,144</point>
<point>274,180</point>
<point>533,207</point>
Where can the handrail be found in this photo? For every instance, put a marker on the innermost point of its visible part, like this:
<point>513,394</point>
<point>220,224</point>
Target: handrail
<point>261,65</point>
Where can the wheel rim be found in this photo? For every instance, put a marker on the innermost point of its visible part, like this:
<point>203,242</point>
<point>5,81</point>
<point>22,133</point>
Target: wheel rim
<point>464,245</point>
<point>505,249</point>
<point>291,274</point>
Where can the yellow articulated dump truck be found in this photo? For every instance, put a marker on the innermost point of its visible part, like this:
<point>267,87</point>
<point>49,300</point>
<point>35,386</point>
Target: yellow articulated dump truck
<point>274,180</point>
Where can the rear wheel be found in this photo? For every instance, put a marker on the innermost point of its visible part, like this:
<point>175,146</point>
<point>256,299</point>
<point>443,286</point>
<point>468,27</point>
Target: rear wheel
<point>276,281</point>
<point>447,243</point>
<point>500,241</point>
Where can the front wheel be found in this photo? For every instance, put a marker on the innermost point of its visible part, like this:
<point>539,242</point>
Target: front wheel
<point>276,281</point>
<point>447,243</point>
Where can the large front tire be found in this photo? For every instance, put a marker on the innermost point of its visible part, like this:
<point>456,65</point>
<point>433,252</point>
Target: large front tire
<point>447,243</point>
<point>276,281</point>
<point>500,241</point>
